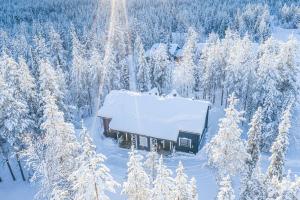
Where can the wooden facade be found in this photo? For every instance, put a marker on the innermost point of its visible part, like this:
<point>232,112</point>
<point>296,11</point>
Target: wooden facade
<point>186,141</point>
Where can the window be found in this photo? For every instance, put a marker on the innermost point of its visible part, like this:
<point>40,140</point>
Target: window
<point>143,141</point>
<point>185,142</point>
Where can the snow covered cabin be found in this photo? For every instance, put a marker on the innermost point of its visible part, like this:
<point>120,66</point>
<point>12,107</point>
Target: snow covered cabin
<point>147,121</point>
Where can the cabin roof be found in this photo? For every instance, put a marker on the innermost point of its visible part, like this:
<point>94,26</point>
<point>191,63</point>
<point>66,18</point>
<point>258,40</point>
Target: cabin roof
<point>173,49</point>
<point>154,116</point>
<point>199,48</point>
<point>150,52</point>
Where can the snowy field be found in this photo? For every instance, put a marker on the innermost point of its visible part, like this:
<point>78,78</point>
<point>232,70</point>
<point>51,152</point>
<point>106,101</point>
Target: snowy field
<point>194,165</point>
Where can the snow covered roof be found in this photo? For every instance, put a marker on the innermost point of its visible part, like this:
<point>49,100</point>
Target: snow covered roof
<point>152,115</point>
<point>173,49</point>
<point>199,48</point>
<point>154,47</point>
<point>179,53</point>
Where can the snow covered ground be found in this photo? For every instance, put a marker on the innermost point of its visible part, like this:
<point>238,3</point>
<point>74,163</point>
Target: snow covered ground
<point>194,165</point>
<point>117,159</point>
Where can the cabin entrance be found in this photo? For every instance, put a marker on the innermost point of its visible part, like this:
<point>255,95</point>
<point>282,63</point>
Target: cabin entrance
<point>124,140</point>
<point>164,146</point>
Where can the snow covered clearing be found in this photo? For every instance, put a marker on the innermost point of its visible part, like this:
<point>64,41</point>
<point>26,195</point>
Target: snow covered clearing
<point>195,166</point>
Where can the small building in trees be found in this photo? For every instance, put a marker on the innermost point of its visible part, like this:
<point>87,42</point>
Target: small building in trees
<point>150,52</point>
<point>148,121</point>
<point>198,51</point>
<point>172,50</point>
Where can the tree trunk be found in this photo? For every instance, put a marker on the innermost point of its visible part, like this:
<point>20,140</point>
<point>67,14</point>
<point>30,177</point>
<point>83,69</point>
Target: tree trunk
<point>222,96</point>
<point>90,101</point>
<point>10,170</point>
<point>96,191</point>
<point>214,95</point>
<point>226,100</point>
<point>20,167</point>
<point>246,99</point>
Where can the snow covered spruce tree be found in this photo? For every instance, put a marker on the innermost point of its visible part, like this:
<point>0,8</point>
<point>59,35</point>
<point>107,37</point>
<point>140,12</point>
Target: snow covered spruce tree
<point>214,63</point>
<point>276,84</point>
<point>183,78</point>
<point>79,73</point>
<point>226,191</point>
<point>288,189</point>
<point>163,184</point>
<point>267,94</point>
<point>289,16</point>
<point>52,166</point>
<point>27,83</point>
<point>161,73</point>
<point>211,74</point>
<point>253,186</point>
<point>91,179</point>
<point>288,72</point>
<point>6,101</point>
<point>226,150</point>
<point>40,51</point>
<point>95,63</point>
<point>124,73</point>
<point>112,71</point>
<point>193,194</point>
<point>53,82</point>
<point>54,162</point>
<point>141,66</point>
<point>137,185</point>
<point>15,114</point>
<point>254,19</point>
<point>57,51</point>
<point>279,148</point>
<point>280,186</point>
<point>182,191</point>
<point>151,163</point>
<point>253,142</point>
<point>240,68</point>
<point>19,100</point>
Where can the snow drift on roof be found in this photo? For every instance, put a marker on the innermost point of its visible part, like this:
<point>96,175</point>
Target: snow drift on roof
<point>152,115</point>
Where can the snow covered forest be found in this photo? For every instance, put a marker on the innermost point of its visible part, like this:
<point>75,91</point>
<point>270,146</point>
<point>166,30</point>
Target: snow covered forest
<point>60,58</point>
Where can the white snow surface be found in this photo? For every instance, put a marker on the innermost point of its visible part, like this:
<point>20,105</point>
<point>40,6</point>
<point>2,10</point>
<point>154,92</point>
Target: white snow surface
<point>284,34</point>
<point>152,115</point>
<point>194,165</point>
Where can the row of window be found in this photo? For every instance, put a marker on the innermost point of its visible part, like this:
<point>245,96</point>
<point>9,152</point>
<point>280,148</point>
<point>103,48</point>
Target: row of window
<point>183,142</point>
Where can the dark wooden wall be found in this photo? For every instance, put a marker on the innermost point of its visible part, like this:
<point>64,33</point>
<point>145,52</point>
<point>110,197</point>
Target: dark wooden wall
<point>195,142</point>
